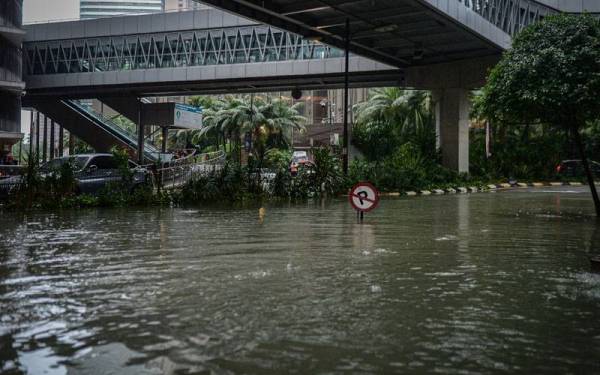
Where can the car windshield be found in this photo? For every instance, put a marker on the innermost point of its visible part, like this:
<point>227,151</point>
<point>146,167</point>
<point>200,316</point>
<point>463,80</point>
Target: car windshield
<point>78,163</point>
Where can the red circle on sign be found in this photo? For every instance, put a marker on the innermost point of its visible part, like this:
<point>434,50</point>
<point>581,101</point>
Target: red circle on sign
<point>372,201</point>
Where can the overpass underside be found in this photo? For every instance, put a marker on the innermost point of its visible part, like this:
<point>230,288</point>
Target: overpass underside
<point>442,45</point>
<point>189,56</point>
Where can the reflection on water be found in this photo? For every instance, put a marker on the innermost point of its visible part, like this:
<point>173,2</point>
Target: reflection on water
<point>480,283</point>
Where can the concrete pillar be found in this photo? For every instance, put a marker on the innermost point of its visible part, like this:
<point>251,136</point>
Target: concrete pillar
<point>52,140</point>
<point>71,144</point>
<point>45,141</point>
<point>31,134</point>
<point>165,136</point>
<point>38,124</point>
<point>61,140</point>
<point>452,125</point>
<point>140,129</point>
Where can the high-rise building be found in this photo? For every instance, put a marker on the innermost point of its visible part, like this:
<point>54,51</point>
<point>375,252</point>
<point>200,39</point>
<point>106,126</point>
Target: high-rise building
<point>35,11</point>
<point>11,80</point>
<point>108,8</point>
<point>183,5</point>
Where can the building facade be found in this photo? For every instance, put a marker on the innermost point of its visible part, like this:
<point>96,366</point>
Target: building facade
<point>178,5</point>
<point>108,8</point>
<point>38,11</point>
<point>11,82</point>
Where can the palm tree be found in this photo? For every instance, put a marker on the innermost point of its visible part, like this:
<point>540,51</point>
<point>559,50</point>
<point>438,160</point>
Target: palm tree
<point>392,117</point>
<point>409,110</point>
<point>282,120</point>
<point>228,118</point>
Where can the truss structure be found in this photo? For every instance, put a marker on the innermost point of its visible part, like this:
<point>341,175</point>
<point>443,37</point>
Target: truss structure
<point>251,44</point>
<point>511,16</point>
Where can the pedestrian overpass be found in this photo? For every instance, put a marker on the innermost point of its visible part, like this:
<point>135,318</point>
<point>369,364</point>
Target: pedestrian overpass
<point>443,45</point>
<point>181,53</point>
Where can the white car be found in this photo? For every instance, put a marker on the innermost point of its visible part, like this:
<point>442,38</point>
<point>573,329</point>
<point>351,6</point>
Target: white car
<point>299,157</point>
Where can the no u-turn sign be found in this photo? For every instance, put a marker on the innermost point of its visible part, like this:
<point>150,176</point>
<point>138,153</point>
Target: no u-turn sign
<point>364,197</point>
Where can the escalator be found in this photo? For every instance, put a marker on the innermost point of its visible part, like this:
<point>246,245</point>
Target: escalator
<point>98,131</point>
<point>125,136</point>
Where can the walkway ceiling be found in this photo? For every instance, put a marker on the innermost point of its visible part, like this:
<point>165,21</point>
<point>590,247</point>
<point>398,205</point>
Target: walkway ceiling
<point>401,33</point>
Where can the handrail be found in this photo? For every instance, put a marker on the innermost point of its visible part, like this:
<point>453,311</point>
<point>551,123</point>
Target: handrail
<point>195,165</point>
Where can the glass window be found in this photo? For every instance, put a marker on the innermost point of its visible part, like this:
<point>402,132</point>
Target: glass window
<point>77,161</point>
<point>104,162</point>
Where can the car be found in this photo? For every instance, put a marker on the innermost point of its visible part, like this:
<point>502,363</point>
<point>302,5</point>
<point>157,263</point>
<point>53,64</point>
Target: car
<point>574,168</point>
<point>92,172</point>
<point>299,158</point>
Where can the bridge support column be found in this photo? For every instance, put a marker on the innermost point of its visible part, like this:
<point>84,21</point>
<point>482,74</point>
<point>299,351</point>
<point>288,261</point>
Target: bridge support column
<point>37,138</point>
<point>71,144</point>
<point>30,135</point>
<point>52,140</point>
<point>61,145</point>
<point>165,136</point>
<point>140,129</point>
<point>452,107</point>
<point>45,141</point>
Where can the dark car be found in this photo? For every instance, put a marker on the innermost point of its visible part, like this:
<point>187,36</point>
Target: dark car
<point>92,172</point>
<point>574,168</point>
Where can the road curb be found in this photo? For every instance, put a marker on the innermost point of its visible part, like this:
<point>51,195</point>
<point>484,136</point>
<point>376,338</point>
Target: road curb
<point>485,188</point>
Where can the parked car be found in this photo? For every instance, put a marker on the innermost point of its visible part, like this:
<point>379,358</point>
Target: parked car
<point>7,171</point>
<point>92,172</point>
<point>299,158</point>
<point>574,168</point>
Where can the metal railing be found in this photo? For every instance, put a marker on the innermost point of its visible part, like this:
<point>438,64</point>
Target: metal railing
<point>511,16</point>
<point>179,172</point>
<point>234,45</point>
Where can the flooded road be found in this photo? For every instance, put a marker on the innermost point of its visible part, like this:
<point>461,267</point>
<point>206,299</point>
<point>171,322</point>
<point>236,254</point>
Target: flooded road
<point>482,283</point>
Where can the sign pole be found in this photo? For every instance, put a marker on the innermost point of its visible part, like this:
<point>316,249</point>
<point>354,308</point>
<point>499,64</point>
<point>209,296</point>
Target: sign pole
<point>363,197</point>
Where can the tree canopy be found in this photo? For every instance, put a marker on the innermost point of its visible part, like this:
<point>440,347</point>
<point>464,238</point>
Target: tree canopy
<point>550,75</point>
<point>391,117</point>
<point>268,120</point>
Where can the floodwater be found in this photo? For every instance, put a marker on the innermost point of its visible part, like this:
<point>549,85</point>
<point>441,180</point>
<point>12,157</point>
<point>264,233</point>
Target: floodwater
<point>458,284</point>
